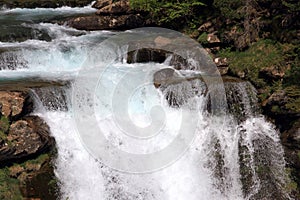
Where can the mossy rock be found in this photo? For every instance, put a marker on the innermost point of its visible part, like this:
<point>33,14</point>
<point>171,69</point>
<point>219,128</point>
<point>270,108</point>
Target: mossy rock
<point>9,187</point>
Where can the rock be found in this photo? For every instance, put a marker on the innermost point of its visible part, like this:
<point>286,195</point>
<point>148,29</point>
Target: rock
<point>145,55</point>
<point>291,137</point>
<point>163,77</point>
<point>118,8</point>
<point>273,72</point>
<point>15,171</point>
<point>212,38</point>
<point>12,103</point>
<point>205,27</point>
<point>40,183</point>
<point>222,65</point>
<point>26,137</point>
<point>101,3</point>
<point>96,22</point>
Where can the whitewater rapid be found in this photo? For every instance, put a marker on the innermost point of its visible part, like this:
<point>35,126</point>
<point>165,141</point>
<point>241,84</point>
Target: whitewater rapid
<point>212,167</point>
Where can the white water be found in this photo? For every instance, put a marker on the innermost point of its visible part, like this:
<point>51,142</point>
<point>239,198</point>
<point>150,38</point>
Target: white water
<point>198,174</point>
<point>209,169</point>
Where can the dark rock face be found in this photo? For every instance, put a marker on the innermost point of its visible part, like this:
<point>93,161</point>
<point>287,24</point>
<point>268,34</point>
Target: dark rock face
<point>291,141</point>
<point>147,55</point>
<point>43,3</point>
<point>96,22</point>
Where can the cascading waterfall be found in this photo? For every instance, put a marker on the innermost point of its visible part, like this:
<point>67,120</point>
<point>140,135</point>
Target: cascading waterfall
<point>237,155</point>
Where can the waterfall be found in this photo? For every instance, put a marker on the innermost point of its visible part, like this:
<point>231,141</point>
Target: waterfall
<point>217,150</point>
<point>228,159</point>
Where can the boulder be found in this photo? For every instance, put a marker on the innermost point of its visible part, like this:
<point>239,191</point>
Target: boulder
<point>163,77</point>
<point>26,137</point>
<point>12,103</point>
<point>118,8</point>
<point>96,22</point>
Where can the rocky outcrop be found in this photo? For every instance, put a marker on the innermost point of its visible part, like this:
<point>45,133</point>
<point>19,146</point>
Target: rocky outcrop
<point>111,15</point>
<point>21,136</point>
<point>107,22</point>
<point>25,167</point>
<point>26,138</point>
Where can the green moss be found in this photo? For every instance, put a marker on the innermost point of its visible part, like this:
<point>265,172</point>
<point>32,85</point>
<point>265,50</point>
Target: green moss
<point>264,53</point>
<point>4,124</point>
<point>9,187</point>
<point>39,160</point>
<point>202,39</point>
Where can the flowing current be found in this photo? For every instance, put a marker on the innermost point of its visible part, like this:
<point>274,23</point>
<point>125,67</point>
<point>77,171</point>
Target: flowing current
<point>236,155</point>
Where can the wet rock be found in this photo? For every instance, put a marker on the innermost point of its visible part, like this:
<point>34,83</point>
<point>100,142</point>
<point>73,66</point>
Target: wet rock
<point>118,8</point>
<point>178,90</point>
<point>147,55</point>
<point>164,77</point>
<point>26,138</point>
<point>96,22</point>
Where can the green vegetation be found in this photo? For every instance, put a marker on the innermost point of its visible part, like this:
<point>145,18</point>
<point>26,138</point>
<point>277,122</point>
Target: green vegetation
<point>249,63</point>
<point>172,13</point>
<point>9,187</point>
<point>4,124</point>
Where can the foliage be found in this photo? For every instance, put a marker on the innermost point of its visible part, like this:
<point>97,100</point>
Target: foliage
<point>202,39</point>
<point>4,124</point>
<point>263,53</point>
<point>170,12</point>
<point>229,8</point>
<point>9,187</point>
